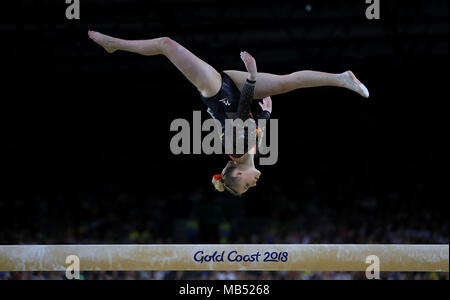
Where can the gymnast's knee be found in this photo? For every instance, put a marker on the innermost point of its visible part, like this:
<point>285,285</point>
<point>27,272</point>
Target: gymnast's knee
<point>166,44</point>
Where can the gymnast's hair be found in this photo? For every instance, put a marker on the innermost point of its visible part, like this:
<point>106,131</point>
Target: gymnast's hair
<point>226,181</point>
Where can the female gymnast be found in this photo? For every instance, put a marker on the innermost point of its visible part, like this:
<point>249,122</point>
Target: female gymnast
<point>228,94</point>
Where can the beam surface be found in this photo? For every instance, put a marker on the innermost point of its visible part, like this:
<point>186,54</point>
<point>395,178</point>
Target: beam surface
<point>287,257</point>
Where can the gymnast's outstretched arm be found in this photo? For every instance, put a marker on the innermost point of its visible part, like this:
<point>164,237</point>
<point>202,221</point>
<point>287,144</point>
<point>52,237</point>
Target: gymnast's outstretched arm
<point>247,93</point>
<point>248,90</point>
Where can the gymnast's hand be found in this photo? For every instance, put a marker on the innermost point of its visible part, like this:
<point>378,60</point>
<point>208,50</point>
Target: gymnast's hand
<point>266,104</point>
<point>250,64</point>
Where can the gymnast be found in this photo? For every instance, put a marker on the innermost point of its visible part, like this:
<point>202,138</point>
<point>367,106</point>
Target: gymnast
<point>228,95</point>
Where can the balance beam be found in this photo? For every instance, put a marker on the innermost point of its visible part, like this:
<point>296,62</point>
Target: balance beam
<point>424,258</point>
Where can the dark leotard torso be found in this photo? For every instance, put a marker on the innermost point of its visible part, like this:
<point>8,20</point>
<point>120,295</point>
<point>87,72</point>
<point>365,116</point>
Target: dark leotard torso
<point>224,105</point>
<point>230,103</point>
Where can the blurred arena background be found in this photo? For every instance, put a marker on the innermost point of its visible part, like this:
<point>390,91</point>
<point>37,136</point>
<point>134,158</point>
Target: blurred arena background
<point>85,135</point>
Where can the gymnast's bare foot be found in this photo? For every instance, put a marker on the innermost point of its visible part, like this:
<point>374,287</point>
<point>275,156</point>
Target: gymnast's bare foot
<point>107,42</point>
<point>352,83</point>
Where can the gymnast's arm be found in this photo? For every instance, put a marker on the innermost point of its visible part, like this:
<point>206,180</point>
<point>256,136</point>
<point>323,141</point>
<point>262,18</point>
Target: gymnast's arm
<point>245,100</point>
<point>266,106</point>
<point>239,132</point>
<point>248,90</point>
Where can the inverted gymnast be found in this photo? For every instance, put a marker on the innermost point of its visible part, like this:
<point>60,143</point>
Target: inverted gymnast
<point>228,94</point>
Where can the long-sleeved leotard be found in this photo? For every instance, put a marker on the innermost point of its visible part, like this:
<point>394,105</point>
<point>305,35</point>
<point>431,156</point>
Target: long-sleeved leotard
<point>244,113</point>
<point>230,103</point>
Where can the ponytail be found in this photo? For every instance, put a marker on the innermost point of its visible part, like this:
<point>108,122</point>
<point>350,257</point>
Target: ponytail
<point>217,181</point>
<point>226,180</point>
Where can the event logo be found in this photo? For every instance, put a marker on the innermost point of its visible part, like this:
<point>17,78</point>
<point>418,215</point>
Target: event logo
<point>73,10</point>
<point>231,141</point>
<point>225,101</point>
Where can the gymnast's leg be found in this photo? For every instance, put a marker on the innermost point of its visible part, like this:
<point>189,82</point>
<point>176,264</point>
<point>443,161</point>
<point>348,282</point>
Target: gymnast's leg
<point>204,77</point>
<point>270,85</point>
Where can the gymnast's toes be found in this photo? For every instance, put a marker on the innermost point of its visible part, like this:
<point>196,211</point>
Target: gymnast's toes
<point>105,41</point>
<point>352,83</point>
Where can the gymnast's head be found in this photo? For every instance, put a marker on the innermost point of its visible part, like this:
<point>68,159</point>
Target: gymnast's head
<point>236,178</point>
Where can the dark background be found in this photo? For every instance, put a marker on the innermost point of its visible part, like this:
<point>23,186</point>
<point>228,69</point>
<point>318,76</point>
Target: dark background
<point>85,134</point>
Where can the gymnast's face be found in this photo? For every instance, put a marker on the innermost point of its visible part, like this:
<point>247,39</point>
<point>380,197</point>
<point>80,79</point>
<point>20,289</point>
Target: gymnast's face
<point>246,179</point>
